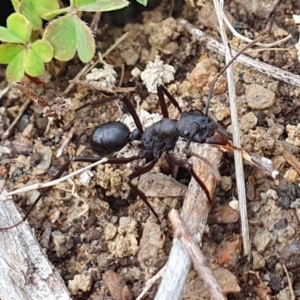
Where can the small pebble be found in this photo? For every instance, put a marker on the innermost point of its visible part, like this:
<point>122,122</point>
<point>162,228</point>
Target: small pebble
<point>258,261</point>
<point>259,97</point>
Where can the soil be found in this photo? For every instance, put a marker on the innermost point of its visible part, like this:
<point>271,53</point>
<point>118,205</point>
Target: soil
<point>95,230</point>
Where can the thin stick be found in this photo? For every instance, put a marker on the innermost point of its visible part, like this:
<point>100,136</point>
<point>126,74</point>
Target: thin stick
<point>150,283</point>
<point>194,213</point>
<point>95,21</point>
<point>15,121</point>
<point>233,59</point>
<point>238,159</point>
<point>66,140</point>
<point>199,260</point>
<point>95,86</point>
<point>242,37</point>
<point>90,66</point>
<point>37,186</point>
<point>289,282</point>
<point>219,48</point>
<point>26,272</point>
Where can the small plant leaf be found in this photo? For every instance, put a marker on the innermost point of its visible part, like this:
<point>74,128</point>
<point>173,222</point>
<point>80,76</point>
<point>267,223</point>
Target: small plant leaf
<point>43,50</point>
<point>61,34</point>
<point>18,29</point>
<point>8,52</point>
<point>100,5</point>
<point>19,26</point>
<point>36,10</point>
<point>33,64</point>
<point>53,13</point>
<point>45,6</point>
<point>68,34</point>
<point>15,69</point>
<point>7,36</point>
<point>143,2</point>
<point>84,40</point>
<point>27,9</point>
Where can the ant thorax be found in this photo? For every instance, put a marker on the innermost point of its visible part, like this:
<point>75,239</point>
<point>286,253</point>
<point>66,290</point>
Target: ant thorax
<point>147,120</point>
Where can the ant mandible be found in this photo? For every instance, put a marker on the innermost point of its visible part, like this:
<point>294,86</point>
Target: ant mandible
<point>156,140</point>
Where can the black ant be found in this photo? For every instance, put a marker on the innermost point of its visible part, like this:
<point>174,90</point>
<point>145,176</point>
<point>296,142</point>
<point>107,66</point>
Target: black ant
<point>156,140</point>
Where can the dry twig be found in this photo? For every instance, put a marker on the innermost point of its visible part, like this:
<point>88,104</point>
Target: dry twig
<point>91,65</point>
<point>16,120</point>
<point>219,48</point>
<point>26,272</point>
<point>238,159</point>
<point>194,213</point>
<point>37,186</point>
<point>150,282</point>
<point>199,260</point>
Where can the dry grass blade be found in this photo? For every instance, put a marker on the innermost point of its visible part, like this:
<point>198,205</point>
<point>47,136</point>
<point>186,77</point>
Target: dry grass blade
<point>213,45</point>
<point>238,159</point>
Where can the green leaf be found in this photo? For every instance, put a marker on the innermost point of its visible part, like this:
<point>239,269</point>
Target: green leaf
<point>36,10</point>
<point>143,2</point>
<point>19,26</point>
<point>84,40</point>
<point>52,14</point>
<point>7,36</point>
<point>100,5</point>
<point>15,69</point>
<point>43,50</point>
<point>33,64</point>
<point>18,29</point>
<point>8,52</point>
<point>27,9</point>
<point>68,34</point>
<point>61,34</point>
<point>45,6</point>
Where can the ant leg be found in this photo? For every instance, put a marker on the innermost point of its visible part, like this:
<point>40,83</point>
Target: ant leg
<point>133,113</point>
<point>189,167</point>
<point>138,173</point>
<point>161,91</point>
<point>98,102</point>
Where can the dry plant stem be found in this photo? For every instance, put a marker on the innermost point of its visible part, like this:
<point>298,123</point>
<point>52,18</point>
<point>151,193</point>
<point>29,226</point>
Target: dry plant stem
<point>199,260</point>
<point>37,186</point>
<point>238,159</point>
<point>77,77</point>
<point>289,282</point>
<point>115,90</point>
<point>194,214</point>
<point>15,121</point>
<point>4,91</point>
<point>26,272</point>
<point>90,66</point>
<point>242,37</point>
<point>150,283</point>
<point>95,21</point>
<point>66,140</point>
<point>219,48</point>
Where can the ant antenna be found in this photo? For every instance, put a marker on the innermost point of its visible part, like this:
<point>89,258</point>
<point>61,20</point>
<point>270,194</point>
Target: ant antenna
<point>212,85</point>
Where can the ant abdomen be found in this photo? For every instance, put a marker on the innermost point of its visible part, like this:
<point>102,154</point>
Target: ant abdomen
<point>109,137</point>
